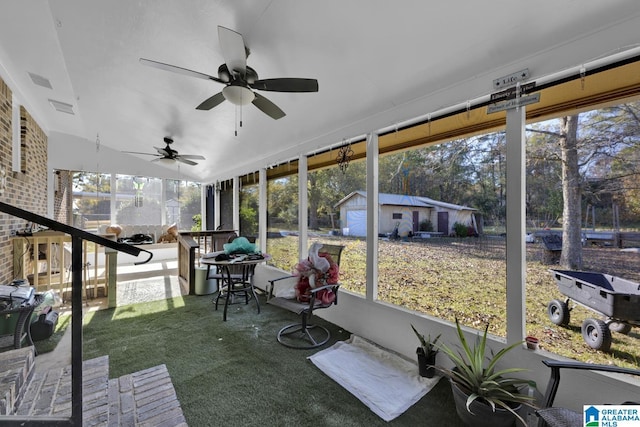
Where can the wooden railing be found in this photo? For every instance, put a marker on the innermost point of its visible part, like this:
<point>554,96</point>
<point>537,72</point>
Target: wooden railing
<point>77,237</point>
<point>44,259</point>
<point>192,245</point>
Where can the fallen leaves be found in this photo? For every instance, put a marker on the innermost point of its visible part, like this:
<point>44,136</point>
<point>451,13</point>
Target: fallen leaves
<point>466,278</point>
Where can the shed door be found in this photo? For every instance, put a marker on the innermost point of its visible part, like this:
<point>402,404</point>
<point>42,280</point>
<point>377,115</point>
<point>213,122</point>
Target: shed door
<point>443,223</point>
<point>416,221</point>
<point>357,222</point>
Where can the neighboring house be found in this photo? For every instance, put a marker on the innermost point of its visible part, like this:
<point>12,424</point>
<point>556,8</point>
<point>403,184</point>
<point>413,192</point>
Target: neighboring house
<point>407,212</point>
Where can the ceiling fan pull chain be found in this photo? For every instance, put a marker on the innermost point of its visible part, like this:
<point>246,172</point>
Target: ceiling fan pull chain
<point>236,120</point>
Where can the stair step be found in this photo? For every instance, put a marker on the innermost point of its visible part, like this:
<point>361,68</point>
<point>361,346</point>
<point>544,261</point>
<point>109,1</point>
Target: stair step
<point>50,393</point>
<point>145,398</point>
<point>18,369</point>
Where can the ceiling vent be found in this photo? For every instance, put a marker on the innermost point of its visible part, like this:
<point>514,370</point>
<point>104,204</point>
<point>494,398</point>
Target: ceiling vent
<point>63,107</point>
<point>40,81</point>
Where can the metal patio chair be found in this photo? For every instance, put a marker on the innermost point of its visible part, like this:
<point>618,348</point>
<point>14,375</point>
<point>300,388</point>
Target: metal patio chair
<point>305,335</point>
<point>551,416</point>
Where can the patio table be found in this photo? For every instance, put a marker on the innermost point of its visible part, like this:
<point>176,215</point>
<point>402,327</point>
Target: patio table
<point>235,276</point>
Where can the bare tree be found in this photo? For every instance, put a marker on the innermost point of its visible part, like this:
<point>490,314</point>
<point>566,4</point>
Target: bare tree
<point>571,257</point>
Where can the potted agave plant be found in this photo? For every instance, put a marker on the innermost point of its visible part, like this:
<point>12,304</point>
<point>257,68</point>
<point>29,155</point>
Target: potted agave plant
<point>427,353</point>
<point>484,395</point>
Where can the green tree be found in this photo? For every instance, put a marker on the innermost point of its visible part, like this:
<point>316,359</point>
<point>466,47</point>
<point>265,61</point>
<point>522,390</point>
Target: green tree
<point>326,187</point>
<point>249,210</point>
<point>190,199</point>
<point>626,168</point>
<point>488,178</point>
<point>129,213</point>
<point>615,167</point>
<point>92,195</point>
<point>282,202</point>
<point>543,171</point>
<point>441,172</point>
<point>571,256</point>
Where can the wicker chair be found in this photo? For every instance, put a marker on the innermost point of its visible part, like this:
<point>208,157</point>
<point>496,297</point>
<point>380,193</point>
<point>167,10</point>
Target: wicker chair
<point>561,417</point>
<point>305,335</point>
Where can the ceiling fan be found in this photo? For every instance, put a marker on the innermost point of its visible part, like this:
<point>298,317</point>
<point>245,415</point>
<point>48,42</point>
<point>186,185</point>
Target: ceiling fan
<point>169,155</point>
<point>239,79</point>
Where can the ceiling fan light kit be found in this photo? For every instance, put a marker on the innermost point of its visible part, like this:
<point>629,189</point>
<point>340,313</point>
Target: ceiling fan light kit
<point>164,160</point>
<point>238,95</point>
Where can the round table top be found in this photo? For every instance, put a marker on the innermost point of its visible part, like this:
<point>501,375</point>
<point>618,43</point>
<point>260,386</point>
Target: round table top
<point>238,260</point>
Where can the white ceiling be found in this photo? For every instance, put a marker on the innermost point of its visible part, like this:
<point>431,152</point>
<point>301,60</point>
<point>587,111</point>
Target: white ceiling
<point>378,63</point>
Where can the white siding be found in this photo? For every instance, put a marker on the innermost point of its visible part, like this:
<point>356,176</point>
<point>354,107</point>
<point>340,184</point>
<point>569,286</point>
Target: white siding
<point>351,214</point>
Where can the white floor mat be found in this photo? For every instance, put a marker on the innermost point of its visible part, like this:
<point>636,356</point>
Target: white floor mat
<point>387,383</point>
<point>145,290</point>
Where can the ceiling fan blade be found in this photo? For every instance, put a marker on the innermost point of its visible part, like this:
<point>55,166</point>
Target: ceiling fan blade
<point>191,156</point>
<point>233,50</point>
<point>163,151</point>
<point>287,84</point>
<point>179,70</point>
<point>185,161</point>
<point>268,107</point>
<point>137,152</point>
<point>211,102</point>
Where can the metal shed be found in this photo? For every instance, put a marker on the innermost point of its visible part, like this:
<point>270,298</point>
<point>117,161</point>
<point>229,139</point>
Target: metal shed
<point>407,212</point>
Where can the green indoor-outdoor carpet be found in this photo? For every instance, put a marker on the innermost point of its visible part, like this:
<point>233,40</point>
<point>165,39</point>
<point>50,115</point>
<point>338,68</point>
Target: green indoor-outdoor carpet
<point>235,373</point>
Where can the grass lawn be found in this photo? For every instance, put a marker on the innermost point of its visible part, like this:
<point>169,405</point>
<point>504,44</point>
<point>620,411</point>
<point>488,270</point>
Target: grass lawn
<point>466,278</point>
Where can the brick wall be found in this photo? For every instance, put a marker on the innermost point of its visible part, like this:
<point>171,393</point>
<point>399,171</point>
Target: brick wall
<point>63,197</point>
<point>26,190</point>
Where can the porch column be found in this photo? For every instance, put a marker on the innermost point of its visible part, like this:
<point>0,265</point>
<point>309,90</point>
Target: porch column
<point>203,206</point>
<point>303,203</point>
<point>262,209</point>
<point>112,199</point>
<point>372,217</point>
<point>516,221</point>
<point>163,200</point>
<point>236,204</point>
<point>216,206</point>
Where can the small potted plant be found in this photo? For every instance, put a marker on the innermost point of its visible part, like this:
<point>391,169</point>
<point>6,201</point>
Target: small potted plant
<point>427,353</point>
<point>484,395</point>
